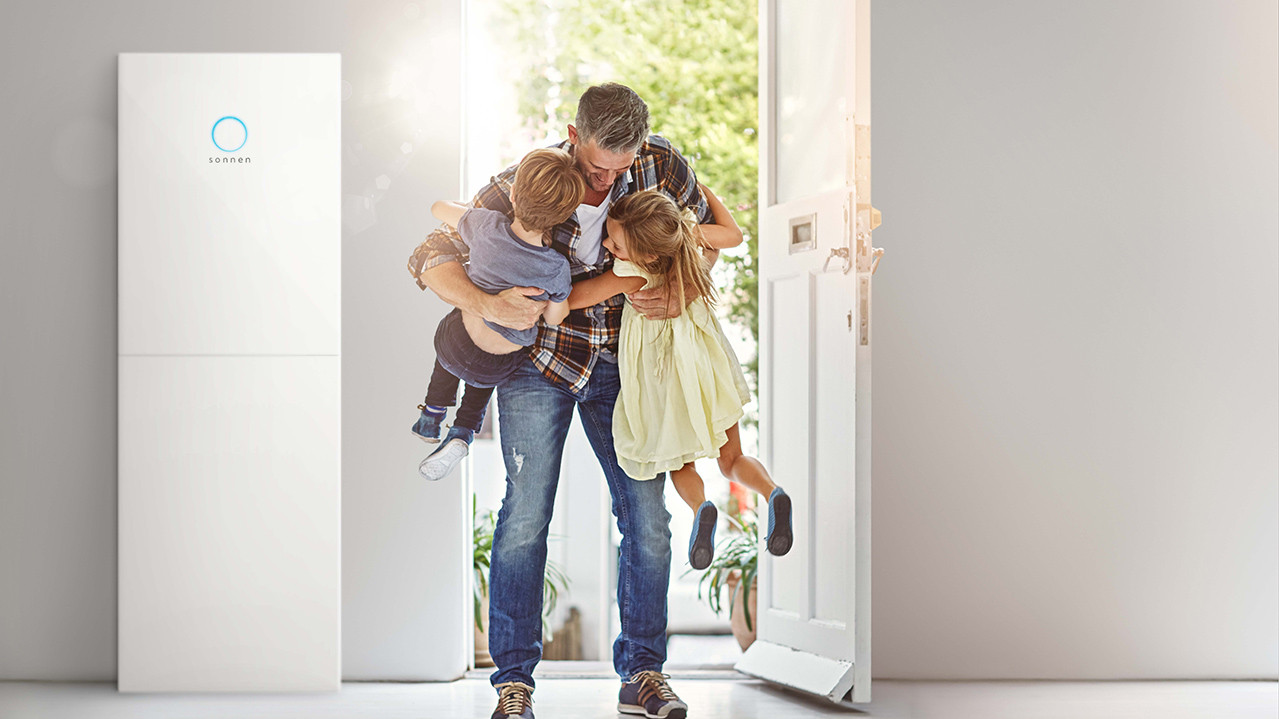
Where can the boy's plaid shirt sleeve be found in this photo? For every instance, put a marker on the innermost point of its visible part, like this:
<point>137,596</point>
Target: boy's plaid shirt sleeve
<point>445,244</point>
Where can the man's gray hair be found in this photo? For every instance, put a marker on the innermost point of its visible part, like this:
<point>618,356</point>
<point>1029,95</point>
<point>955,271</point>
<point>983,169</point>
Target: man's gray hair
<point>612,116</point>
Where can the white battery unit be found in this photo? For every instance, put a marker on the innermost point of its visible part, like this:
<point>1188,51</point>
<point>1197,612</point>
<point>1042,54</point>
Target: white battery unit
<point>229,372</point>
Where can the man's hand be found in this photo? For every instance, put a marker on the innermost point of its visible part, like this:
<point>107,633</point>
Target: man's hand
<point>659,303</point>
<point>513,308</point>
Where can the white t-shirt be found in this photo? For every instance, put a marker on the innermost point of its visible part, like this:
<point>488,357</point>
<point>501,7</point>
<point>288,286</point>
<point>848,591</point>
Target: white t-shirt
<point>591,220</point>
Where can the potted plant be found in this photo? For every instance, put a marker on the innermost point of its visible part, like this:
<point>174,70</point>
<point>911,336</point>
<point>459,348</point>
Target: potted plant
<point>555,582</point>
<point>735,566</point>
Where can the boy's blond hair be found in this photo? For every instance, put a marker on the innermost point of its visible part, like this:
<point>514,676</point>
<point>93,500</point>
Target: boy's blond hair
<point>548,188</point>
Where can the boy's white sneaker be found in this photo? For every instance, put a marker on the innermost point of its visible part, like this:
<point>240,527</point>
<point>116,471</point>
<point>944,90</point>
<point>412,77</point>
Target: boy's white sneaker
<point>443,460</point>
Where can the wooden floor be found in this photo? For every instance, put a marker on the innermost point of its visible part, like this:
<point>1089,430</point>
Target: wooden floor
<point>710,696</point>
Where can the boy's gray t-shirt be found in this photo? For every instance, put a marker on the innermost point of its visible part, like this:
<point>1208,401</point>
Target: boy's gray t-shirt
<point>500,260</point>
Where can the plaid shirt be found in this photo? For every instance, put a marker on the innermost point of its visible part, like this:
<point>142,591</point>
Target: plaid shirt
<point>566,354</point>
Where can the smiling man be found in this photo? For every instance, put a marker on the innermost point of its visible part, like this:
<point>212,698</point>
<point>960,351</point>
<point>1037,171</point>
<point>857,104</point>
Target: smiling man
<point>574,366</point>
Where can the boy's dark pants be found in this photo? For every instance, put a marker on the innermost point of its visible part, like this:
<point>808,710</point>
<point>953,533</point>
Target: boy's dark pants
<point>457,357</point>
<point>442,392</point>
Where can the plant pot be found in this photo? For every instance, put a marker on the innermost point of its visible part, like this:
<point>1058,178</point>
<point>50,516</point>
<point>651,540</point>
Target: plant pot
<point>482,657</point>
<point>745,637</point>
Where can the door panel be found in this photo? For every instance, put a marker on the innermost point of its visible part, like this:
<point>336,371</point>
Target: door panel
<point>789,361</point>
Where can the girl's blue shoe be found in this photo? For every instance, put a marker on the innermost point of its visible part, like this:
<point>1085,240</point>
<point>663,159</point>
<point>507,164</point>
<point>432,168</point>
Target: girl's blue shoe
<point>701,545</point>
<point>780,535</point>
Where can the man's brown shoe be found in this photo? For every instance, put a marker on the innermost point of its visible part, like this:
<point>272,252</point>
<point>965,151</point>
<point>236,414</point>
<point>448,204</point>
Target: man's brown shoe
<point>647,693</point>
<point>514,701</point>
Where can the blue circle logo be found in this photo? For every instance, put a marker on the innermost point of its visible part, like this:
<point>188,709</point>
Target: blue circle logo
<point>230,133</point>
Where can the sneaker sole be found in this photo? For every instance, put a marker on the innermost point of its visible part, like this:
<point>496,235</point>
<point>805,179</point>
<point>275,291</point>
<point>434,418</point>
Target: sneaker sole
<point>424,438</point>
<point>443,460</point>
<point>678,713</point>
<point>780,540</point>
<point>703,549</point>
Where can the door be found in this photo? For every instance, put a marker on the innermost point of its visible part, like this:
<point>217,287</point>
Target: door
<point>815,343</point>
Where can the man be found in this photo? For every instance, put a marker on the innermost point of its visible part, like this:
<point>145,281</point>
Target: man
<point>572,366</point>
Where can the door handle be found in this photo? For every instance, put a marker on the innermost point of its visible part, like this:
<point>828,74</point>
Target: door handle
<point>842,253</point>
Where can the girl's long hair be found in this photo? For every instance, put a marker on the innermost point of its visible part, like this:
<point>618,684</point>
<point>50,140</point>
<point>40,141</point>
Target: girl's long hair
<point>663,241</point>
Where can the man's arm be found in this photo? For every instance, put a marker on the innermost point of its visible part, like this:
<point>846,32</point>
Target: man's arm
<point>509,308</point>
<point>680,183</point>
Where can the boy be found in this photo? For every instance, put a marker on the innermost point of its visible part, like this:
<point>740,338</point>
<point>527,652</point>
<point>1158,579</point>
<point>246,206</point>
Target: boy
<point>504,253</point>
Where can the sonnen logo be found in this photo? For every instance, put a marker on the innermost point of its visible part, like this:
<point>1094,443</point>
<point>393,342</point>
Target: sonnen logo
<point>229,135</point>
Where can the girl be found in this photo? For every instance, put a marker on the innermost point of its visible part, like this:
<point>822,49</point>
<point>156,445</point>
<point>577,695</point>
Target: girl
<point>682,388</point>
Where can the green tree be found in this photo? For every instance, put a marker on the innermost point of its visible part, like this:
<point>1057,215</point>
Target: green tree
<point>696,64</point>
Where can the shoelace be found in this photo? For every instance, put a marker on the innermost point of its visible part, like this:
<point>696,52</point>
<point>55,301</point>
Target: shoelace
<point>654,684</point>
<point>514,697</point>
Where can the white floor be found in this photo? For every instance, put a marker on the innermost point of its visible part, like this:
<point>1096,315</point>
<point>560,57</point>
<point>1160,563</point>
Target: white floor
<point>687,651</point>
<point>709,698</point>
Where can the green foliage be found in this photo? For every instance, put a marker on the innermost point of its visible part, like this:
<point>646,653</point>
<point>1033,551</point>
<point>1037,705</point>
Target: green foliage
<point>739,554</point>
<point>696,64</point>
<point>483,527</point>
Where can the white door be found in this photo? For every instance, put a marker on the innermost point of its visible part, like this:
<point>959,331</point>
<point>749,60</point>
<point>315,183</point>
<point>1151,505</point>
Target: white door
<point>815,264</point>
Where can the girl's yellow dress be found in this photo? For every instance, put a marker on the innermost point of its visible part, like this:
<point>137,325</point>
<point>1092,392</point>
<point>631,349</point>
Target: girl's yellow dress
<point>682,387</point>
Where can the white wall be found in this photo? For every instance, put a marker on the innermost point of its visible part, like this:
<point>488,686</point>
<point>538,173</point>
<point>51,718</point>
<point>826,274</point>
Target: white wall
<point>1075,365</point>
<point>58,309</point>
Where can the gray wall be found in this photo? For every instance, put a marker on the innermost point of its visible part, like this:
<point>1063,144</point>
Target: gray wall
<point>1075,382</point>
<point>58,369</point>
<point>1075,364</point>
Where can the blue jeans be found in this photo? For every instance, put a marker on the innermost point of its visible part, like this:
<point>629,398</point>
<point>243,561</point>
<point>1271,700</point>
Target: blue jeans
<point>535,416</point>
